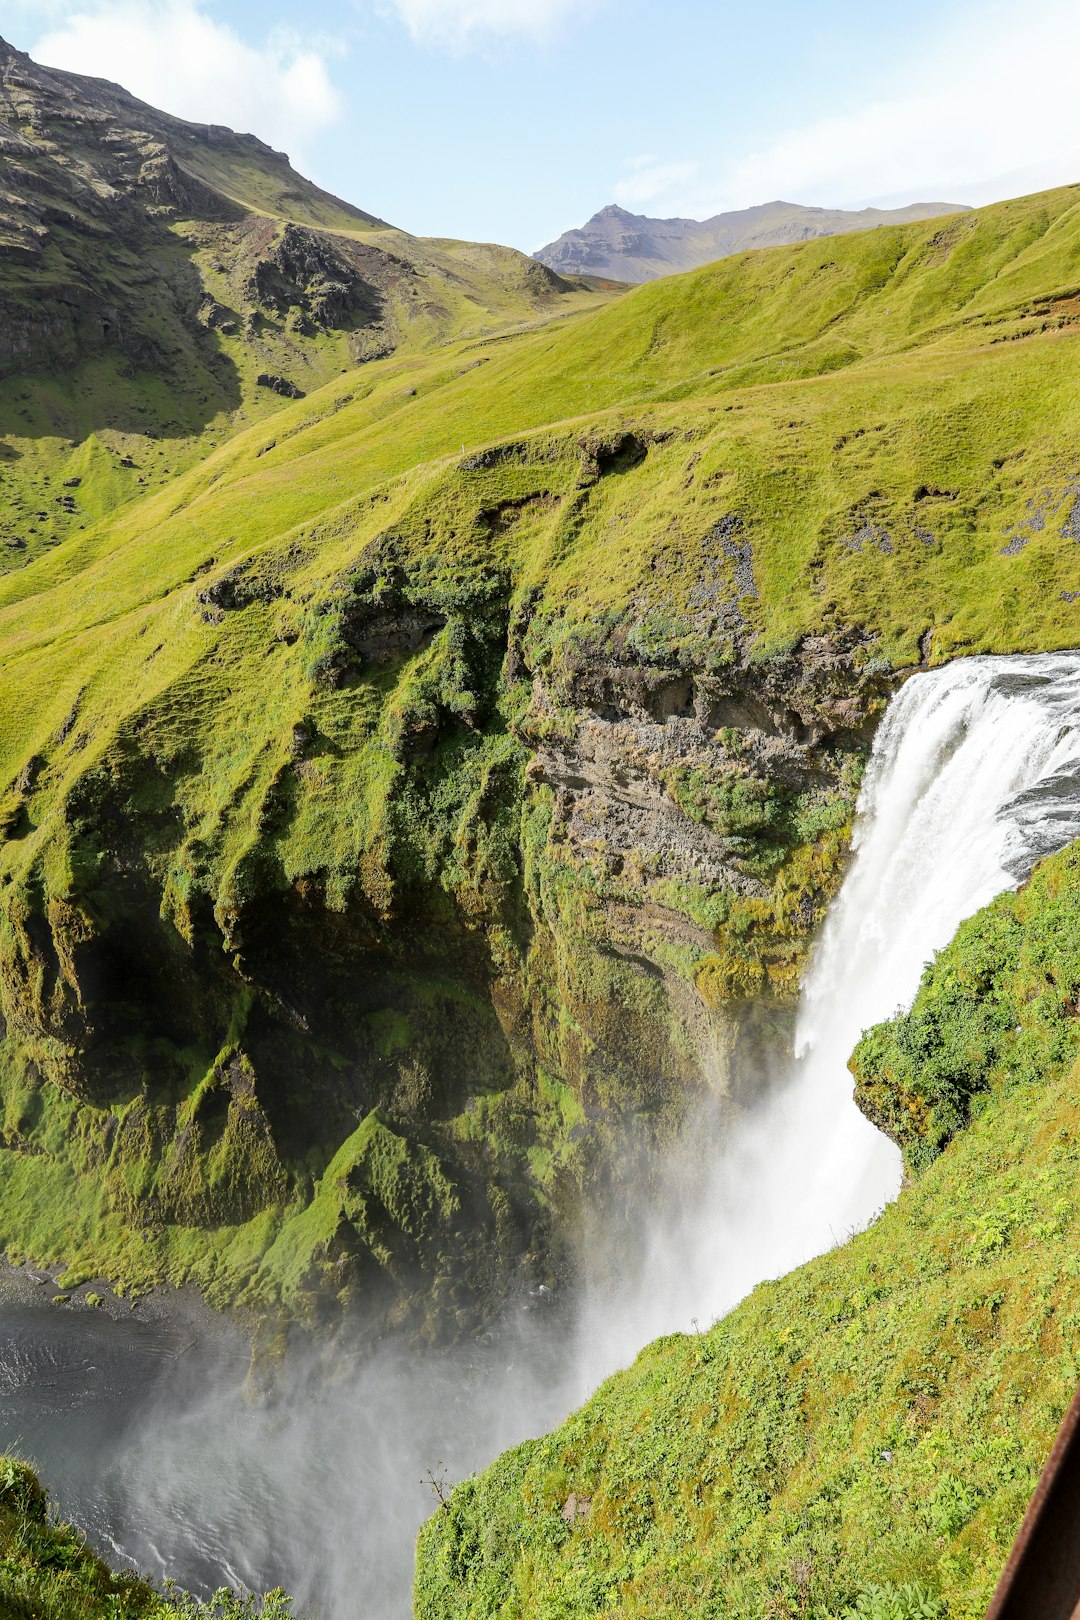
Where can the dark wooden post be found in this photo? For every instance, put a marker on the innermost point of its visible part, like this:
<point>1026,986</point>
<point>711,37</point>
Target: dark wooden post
<point>1041,1580</point>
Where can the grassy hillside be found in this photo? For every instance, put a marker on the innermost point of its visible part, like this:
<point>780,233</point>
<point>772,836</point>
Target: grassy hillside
<point>859,1439</point>
<point>899,397</point>
<point>350,781</point>
<point>892,380</point>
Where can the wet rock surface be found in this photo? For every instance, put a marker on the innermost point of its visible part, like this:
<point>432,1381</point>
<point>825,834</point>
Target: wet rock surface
<point>638,729</point>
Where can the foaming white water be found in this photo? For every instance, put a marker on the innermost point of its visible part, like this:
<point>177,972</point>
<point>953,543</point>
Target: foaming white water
<point>975,773</point>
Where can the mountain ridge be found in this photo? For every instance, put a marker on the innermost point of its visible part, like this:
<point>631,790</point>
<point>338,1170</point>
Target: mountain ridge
<point>637,247</point>
<point>204,150</point>
<point>162,283</point>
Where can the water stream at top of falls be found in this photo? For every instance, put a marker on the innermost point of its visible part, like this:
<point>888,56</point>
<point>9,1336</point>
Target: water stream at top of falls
<point>974,774</point>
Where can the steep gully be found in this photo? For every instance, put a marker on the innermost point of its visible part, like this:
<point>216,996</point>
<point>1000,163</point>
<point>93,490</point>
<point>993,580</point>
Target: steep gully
<point>149,1441</point>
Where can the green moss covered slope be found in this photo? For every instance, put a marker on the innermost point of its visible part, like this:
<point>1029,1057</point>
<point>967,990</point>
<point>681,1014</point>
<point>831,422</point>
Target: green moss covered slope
<point>860,1438</point>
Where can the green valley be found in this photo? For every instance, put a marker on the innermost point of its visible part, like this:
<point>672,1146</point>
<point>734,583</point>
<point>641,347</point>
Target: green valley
<point>327,683</point>
<point>435,697</point>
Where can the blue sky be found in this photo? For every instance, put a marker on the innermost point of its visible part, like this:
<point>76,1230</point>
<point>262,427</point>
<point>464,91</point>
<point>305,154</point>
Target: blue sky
<point>511,120</point>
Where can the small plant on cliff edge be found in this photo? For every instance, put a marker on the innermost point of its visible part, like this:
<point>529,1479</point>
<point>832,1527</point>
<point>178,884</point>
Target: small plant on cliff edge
<point>437,1483</point>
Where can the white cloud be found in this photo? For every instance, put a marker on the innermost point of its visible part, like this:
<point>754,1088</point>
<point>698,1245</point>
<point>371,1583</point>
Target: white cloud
<point>39,10</point>
<point>984,109</point>
<point>172,54</point>
<point>457,24</point>
<point>649,180</point>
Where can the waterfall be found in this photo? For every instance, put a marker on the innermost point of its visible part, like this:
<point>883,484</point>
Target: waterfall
<point>974,775</point>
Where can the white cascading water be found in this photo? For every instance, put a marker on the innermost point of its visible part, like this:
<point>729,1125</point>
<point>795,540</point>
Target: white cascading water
<point>974,775</point>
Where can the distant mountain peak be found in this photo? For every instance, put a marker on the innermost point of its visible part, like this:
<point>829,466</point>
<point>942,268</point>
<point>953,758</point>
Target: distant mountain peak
<point>635,247</point>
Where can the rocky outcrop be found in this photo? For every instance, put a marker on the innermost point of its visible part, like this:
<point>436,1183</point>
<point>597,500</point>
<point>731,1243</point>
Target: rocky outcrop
<point>638,730</point>
<point>279,385</point>
<point>302,271</point>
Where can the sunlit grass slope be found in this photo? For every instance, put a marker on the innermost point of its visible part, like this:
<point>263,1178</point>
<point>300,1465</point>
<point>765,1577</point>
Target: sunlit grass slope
<point>860,1438</point>
<point>920,378</point>
<point>118,435</point>
<point>197,750</point>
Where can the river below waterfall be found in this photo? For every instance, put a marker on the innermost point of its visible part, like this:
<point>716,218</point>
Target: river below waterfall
<point>149,1440</point>
<point>142,1427</point>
